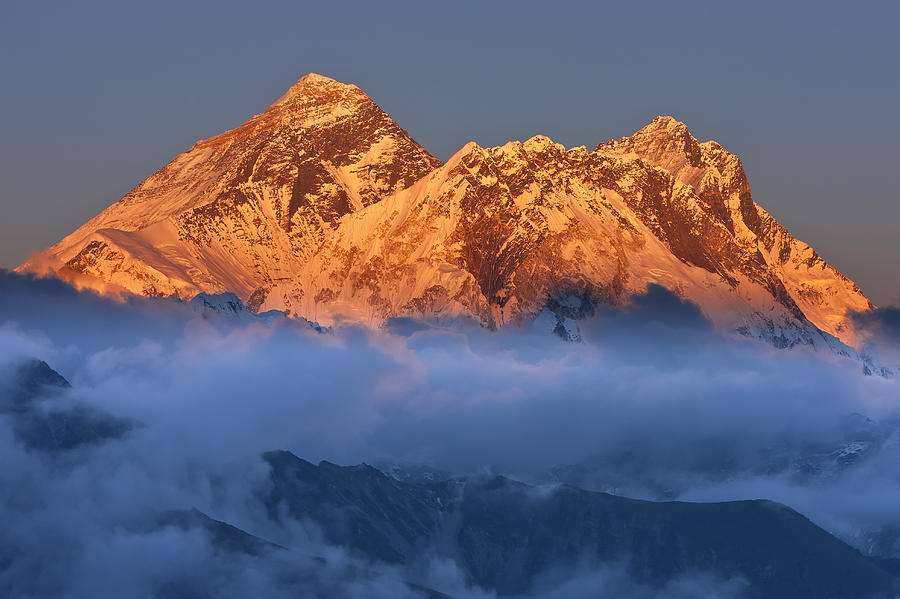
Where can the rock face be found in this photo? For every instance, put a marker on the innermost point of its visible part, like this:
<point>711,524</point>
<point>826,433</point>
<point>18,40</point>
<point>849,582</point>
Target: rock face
<point>324,208</point>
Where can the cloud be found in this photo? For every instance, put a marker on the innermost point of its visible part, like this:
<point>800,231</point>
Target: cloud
<point>611,580</point>
<point>652,389</point>
<point>880,332</point>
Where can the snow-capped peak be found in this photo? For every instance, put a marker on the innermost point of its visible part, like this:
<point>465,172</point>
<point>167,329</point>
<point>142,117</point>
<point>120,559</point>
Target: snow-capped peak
<point>325,208</point>
<point>319,87</point>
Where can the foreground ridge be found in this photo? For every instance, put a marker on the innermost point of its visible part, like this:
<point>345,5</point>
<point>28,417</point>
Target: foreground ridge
<point>504,534</point>
<point>325,208</point>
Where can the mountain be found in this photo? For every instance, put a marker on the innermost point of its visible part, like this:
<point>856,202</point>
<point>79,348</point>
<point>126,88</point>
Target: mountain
<point>502,535</point>
<point>42,419</point>
<point>505,535</point>
<point>324,208</point>
<point>245,209</point>
<point>503,232</point>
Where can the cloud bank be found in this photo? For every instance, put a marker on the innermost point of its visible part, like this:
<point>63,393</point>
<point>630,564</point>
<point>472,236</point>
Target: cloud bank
<point>653,404</point>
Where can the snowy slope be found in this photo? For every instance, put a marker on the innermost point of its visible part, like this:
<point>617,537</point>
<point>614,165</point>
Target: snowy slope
<point>247,207</point>
<point>324,208</point>
<point>500,232</point>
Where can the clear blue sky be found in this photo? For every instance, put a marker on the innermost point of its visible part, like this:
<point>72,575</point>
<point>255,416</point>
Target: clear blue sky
<point>97,95</point>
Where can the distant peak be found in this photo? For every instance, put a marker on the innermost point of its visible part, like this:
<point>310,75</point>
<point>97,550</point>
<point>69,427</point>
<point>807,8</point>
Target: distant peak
<point>316,78</point>
<point>471,146</point>
<point>663,141</point>
<point>539,139</point>
<point>463,153</point>
<point>315,86</point>
<point>541,143</point>
<point>665,126</point>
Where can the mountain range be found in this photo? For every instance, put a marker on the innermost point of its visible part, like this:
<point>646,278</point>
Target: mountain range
<point>324,208</point>
<point>509,538</point>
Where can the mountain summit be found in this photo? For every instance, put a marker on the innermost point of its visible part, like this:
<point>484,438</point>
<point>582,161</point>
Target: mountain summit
<point>248,207</point>
<point>324,207</point>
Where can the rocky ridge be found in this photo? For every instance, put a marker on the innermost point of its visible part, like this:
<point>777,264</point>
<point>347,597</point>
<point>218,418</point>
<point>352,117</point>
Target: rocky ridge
<point>324,208</point>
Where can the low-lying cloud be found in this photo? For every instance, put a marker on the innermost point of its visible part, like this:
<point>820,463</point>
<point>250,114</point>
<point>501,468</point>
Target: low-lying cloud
<point>681,411</point>
<point>880,332</point>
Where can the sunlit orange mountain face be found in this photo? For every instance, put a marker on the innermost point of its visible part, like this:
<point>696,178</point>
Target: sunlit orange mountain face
<point>325,208</point>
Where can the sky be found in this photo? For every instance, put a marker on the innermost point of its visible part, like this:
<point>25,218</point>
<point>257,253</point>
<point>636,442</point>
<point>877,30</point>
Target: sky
<point>98,95</point>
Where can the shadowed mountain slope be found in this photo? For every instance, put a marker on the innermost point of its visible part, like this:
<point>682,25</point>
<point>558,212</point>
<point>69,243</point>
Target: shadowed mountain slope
<point>505,534</point>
